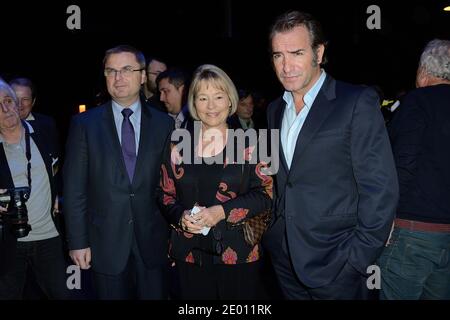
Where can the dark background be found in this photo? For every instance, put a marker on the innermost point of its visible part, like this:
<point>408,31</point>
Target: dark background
<point>66,65</point>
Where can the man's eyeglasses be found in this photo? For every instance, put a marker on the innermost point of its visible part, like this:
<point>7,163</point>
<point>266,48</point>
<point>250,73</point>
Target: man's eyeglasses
<point>155,73</point>
<point>124,72</point>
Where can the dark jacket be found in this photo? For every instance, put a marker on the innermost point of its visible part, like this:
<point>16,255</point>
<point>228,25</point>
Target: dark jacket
<point>103,210</point>
<point>179,192</point>
<point>339,197</point>
<point>420,136</point>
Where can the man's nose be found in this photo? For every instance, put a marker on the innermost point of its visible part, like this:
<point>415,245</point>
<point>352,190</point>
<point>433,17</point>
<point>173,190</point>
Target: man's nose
<point>117,74</point>
<point>287,65</point>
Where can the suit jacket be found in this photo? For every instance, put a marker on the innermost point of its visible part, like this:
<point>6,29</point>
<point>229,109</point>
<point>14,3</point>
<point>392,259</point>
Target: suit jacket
<point>47,126</point>
<point>103,210</point>
<point>420,136</point>
<point>49,152</point>
<point>243,191</point>
<point>339,196</point>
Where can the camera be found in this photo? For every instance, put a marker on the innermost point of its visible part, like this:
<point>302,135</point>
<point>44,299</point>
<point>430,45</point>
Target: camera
<point>17,214</point>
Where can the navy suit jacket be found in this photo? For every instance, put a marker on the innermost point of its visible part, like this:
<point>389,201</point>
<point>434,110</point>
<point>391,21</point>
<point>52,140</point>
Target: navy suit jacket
<point>420,136</point>
<point>103,210</point>
<point>340,194</point>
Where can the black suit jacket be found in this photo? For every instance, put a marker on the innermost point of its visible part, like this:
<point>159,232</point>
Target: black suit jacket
<point>46,126</point>
<point>49,152</point>
<point>103,210</point>
<point>340,194</point>
<point>420,136</point>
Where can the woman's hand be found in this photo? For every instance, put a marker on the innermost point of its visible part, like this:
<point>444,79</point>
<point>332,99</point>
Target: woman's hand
<point>209,217</point>
<point>190,224</point>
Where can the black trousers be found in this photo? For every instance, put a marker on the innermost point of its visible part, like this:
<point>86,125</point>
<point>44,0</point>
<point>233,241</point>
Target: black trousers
<point>135,282</point>
<point>46,260</point>
<point>221,282</point>
<point>348,285</point>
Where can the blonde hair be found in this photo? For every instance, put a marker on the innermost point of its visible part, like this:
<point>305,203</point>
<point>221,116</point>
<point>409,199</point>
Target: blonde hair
<point>215,76</point>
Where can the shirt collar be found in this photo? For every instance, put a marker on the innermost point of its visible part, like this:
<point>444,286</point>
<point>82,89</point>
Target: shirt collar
<point>134,107</point>
<point>310,96</point>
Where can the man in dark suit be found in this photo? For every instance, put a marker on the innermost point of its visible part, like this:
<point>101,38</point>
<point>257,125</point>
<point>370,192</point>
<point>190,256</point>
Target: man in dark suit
<point>336,186</point>
<point>26,95</point>
<point>415,264</point>
<point>111,173</point>
<point>28,159</point>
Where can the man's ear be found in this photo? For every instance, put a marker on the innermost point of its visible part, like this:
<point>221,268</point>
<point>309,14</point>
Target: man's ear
<point>320,51</point>
<point>421,78</point>
<point>181,89</point>
<point>143,77</point>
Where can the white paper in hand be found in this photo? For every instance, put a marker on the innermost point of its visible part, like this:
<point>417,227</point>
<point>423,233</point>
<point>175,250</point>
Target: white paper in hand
<point>194,211</point>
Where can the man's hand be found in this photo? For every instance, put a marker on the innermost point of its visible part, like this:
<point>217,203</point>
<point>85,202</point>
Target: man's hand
<point>56,206</point>
<point>81,257</point>
<point>3,209</point>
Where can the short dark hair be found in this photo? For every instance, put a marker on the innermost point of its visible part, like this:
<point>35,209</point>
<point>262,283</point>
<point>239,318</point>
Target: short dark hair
<point>175,76</point>
<point>244,93</point>
<point>149,59</point>
<point>292,19</point>
<point>24,82</point>
<point>126,48</point>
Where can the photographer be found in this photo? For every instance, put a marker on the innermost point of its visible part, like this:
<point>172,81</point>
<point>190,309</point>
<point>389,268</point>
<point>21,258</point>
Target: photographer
<point>28,235</point>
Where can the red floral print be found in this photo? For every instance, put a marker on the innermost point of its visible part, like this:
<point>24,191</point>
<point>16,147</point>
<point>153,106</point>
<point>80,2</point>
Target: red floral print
<point>223,195</point>
<point>229,256</point>
<point>190,258</point>
<point>266,181</point>
<point>176,160</point>
<point>254,254</point>
<point>237,215</point>
<point>168,187</point>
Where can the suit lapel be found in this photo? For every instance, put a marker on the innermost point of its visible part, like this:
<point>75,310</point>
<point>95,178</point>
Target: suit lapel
<point>278,119</point>
<point>111,137</point>
<point>5,174</point>
<point>146,142</point>
<point>319,112</point>
<point>44,151</point>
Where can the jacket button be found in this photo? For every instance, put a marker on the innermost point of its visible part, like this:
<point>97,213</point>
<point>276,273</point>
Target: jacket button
<point>289,184</point>
<point>130,221</point>
<point>131,195</point>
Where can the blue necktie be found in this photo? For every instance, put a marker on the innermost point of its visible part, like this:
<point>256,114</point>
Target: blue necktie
<point>128,143</point>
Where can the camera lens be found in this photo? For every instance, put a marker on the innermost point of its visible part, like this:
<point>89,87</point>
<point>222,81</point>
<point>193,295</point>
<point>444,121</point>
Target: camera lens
<point>22,230</point>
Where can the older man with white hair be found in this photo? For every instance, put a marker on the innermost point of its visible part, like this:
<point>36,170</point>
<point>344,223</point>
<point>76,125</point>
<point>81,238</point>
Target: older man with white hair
<point>27,170</point>
<point>416,262</point>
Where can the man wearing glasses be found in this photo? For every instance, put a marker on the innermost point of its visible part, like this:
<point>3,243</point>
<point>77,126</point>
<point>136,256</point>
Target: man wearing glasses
<point>111,172</point>
<point>154,68</point>
<point>26,96</point>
